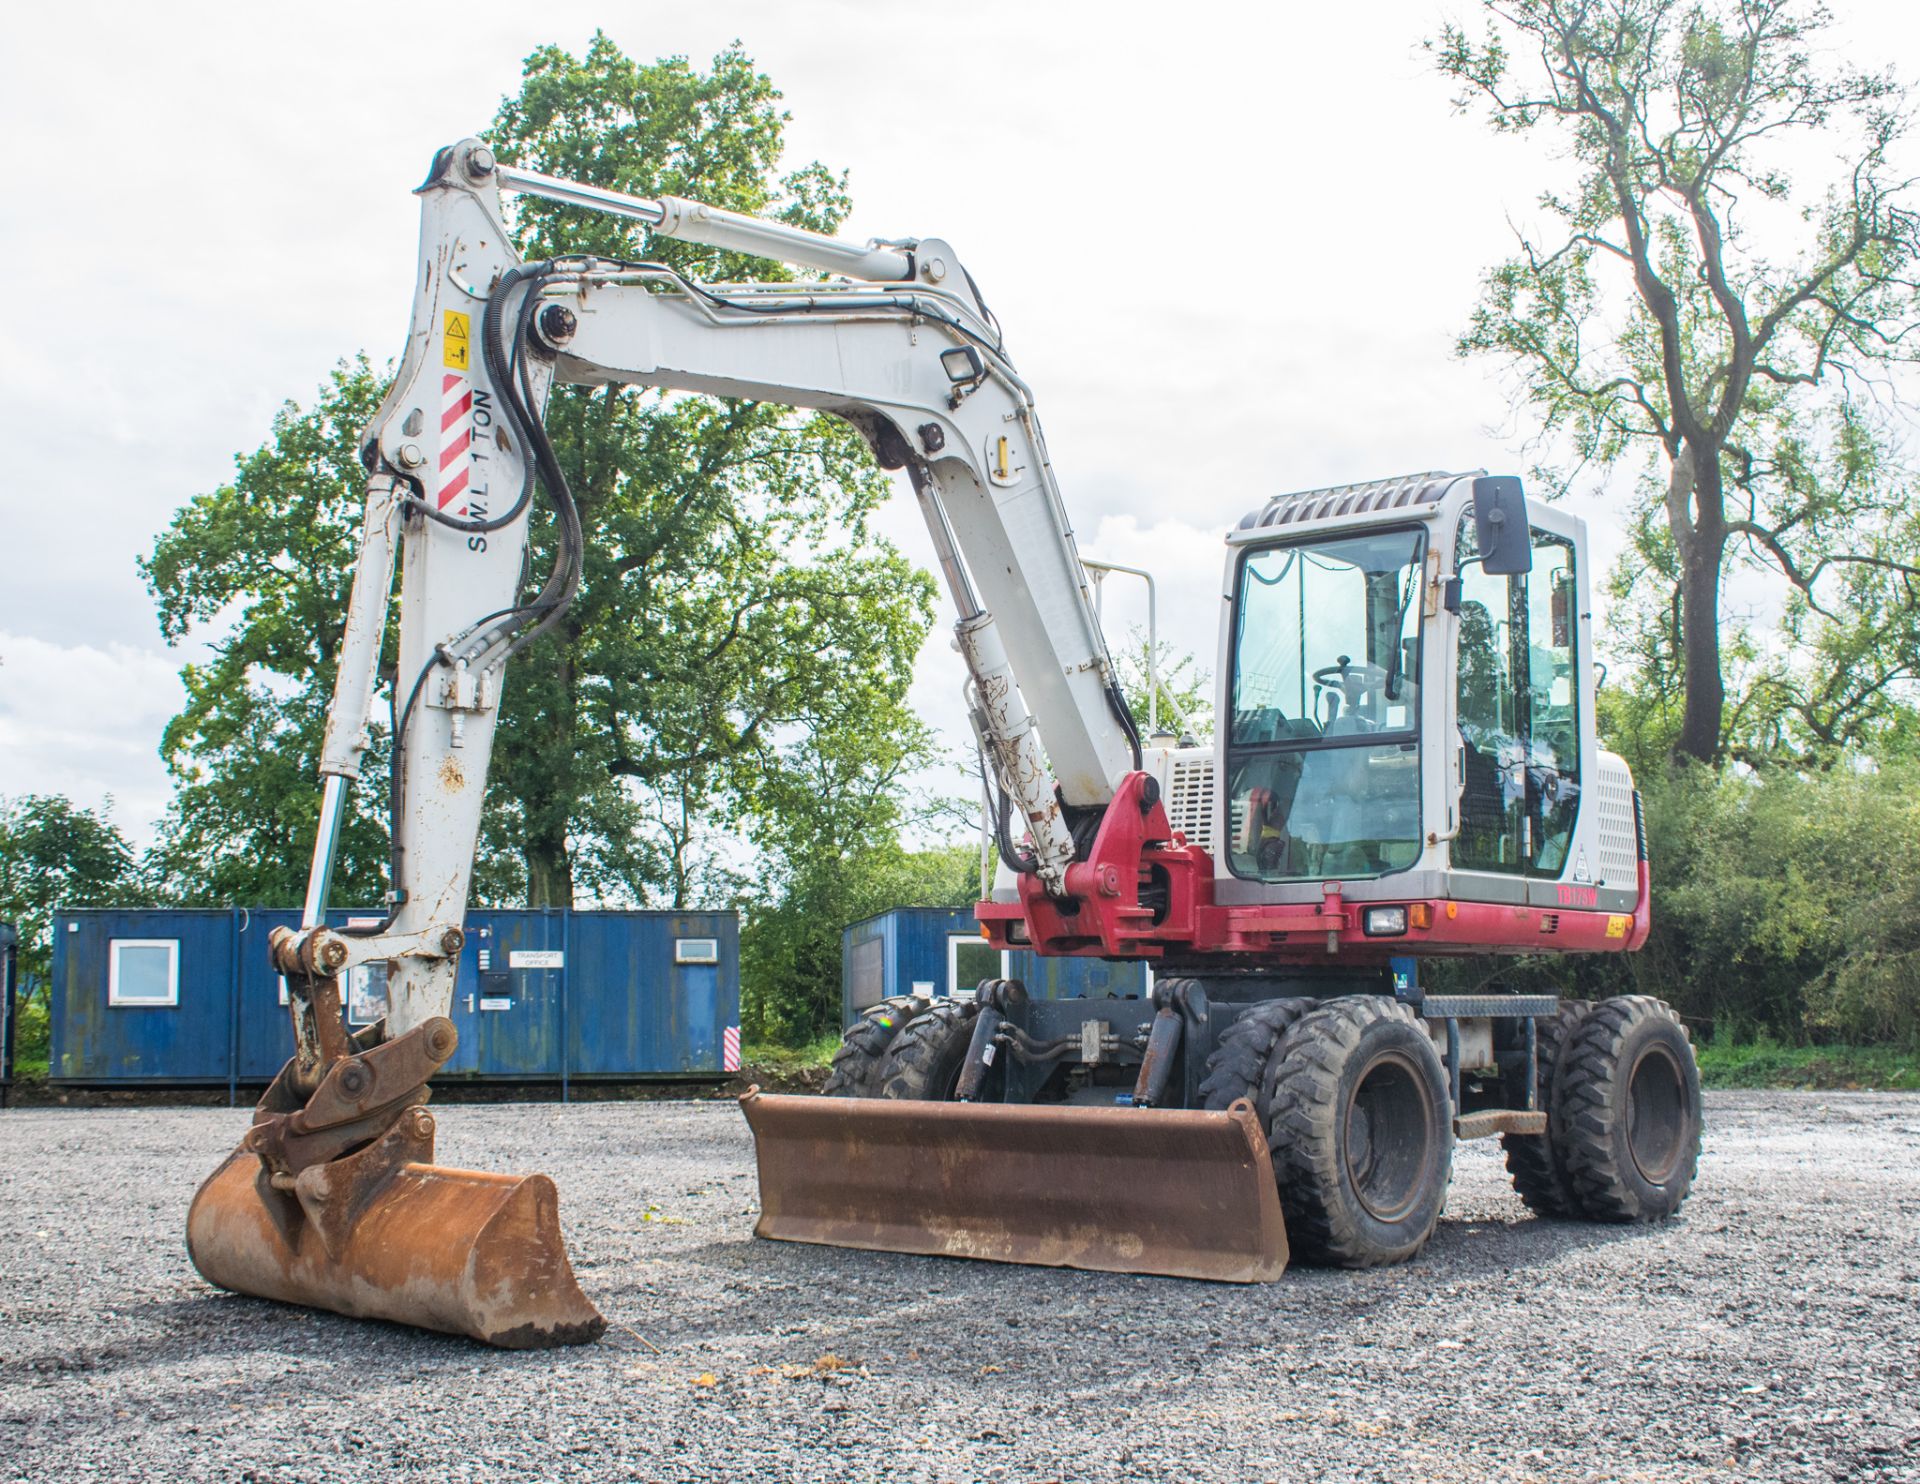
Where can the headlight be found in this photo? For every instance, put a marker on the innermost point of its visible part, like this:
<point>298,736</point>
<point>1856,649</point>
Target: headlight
<point>1386,922</point>
<point>963,363</point>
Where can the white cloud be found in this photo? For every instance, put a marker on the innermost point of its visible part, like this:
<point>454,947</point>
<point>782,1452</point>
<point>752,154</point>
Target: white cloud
<point>84,721</point>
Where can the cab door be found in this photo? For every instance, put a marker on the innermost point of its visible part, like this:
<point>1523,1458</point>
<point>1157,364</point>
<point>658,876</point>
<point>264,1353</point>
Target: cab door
<point>1551,706</point>
<point>1517,691</point>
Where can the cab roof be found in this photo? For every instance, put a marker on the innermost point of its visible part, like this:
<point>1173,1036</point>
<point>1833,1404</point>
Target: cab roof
<point>1398,493</point>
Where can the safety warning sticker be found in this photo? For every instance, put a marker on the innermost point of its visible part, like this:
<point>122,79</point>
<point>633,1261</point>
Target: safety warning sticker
<point>456,341</point>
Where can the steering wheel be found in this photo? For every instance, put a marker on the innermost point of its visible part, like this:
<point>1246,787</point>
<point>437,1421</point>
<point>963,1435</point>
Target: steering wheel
<point>1350,682</point>
<point>1353,681</point>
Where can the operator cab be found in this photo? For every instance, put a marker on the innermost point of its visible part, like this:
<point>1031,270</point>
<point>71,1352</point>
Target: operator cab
<point>1408,702</point>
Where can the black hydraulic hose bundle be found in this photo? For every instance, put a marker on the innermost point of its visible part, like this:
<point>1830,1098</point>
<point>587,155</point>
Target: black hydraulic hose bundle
<point>1002,802</point>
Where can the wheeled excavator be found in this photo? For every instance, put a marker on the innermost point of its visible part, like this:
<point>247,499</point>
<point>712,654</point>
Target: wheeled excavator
<point>1406,768</point>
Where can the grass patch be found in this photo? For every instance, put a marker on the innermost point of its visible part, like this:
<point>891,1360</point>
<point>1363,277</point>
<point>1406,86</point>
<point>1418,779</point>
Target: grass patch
<point>1763,1063</point>
<point>790,1058</point>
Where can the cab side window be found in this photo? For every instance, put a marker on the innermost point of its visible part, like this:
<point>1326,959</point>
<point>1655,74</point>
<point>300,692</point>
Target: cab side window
<point>1489,714</point>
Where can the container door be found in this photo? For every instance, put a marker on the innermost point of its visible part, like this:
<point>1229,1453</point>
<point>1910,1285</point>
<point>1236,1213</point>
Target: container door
<point>651,995</point>
<point>507,1002</point>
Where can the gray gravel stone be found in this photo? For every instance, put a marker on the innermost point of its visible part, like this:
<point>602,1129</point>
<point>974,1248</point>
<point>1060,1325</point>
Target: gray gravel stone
<point>1771,1334</point>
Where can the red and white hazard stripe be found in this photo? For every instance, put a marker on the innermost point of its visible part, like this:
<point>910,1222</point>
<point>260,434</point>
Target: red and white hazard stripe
<point>730,1049</point>
<point>456,438</point>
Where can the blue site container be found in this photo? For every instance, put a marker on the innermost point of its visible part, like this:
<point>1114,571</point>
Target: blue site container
<point>188,997</point>
<point>139,995</point>
<point>937,951</point>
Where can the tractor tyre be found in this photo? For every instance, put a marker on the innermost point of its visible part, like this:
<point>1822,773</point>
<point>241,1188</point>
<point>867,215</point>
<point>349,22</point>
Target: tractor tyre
<point>1536,1162</point>
<point>863,1047</point>
<point>1626,1111</point>
<point>1237,1066</point>
<point>924,1062</point>
<point>1362,1132</point>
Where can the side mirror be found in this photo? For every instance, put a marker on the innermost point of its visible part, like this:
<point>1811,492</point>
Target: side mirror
<point>1500,526</point>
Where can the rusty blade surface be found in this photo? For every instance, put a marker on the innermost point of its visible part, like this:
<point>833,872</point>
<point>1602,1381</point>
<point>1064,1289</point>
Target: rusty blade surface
<point>454,1250</point>
<point>1123,1190</point>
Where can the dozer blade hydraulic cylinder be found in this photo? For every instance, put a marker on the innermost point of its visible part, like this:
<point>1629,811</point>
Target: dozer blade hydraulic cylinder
<point>1124,1190</point>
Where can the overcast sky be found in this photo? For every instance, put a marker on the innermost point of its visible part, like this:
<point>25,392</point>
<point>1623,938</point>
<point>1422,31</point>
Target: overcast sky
<point>1231,247</point>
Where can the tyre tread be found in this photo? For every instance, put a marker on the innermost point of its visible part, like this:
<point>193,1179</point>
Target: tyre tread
<point>1586,1123</point>
<point>1237,1066</point>
<point>1536,1163</point>
<point>857,1060</point>
<point>1299,1093</point>
<point>916,1051</point>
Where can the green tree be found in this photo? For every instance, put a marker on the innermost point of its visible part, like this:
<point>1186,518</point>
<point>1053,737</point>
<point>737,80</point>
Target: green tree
<point>790,946</point>
<point>1689,310</point>
<point>264,564</point>
<point>736,604</point>
<point>55,854</point>
<point>1185,688</point>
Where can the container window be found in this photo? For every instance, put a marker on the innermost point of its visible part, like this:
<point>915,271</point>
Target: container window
<point>143,971</point>
<point>696,950</point>
<point>969,960</point>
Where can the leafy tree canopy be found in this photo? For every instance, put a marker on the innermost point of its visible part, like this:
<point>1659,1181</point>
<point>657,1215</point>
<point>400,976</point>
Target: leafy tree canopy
<point>1688,307</point>
<point>264,563</point>
<point>54,853</point>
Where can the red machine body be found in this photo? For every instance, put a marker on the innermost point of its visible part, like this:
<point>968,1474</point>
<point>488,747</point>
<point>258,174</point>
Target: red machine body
<point>1144,892</point>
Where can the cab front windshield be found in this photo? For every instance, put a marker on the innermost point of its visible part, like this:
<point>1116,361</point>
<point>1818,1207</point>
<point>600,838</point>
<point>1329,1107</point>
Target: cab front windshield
<point>1323,761</point>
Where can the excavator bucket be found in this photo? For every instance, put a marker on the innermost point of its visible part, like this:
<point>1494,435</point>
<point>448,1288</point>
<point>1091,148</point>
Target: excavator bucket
<point>1122,1190</point>
<point>333,1200</point>
<point>384,1233</point>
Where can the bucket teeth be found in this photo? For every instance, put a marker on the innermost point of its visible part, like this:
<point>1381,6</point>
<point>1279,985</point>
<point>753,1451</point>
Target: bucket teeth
<point>1127,1190</point>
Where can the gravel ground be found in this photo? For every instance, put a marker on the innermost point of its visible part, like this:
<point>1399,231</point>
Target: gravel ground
<point>1772,1334</point>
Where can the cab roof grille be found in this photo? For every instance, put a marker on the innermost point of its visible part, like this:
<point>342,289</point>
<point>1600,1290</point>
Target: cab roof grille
<point>1350,499</point>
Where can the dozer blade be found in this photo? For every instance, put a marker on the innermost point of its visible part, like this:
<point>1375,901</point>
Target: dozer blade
<point>383,1234</point>
<point>1123,1190</point>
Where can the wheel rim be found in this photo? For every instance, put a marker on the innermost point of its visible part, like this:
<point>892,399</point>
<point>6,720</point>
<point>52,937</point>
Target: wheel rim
<point>1389,1137</point>
<point>1656,1114</point>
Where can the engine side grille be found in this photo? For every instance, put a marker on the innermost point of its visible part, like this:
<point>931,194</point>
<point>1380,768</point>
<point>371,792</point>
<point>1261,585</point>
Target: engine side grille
<point>1190,800</point>
<point>1619,836</point>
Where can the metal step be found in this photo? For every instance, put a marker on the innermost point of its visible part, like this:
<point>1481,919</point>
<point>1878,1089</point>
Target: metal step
<point>1490,1121</point>
<point>1472,1006</point>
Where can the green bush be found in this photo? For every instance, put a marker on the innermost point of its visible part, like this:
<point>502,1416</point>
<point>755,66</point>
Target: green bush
<point>32,1037</point>
<point>790,943</point>
<point>1784,905</point>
